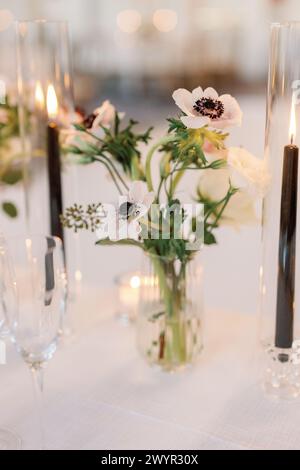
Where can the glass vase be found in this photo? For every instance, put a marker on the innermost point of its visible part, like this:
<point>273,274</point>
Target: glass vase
<point>280,270</point>
<point>43,71</point>
<point>46,111</point>
<point>170,312</point>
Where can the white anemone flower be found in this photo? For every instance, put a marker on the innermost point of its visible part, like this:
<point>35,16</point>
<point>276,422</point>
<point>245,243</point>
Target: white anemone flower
<point>103,116</point>
<point>122,220</point>
<point>207,108</point>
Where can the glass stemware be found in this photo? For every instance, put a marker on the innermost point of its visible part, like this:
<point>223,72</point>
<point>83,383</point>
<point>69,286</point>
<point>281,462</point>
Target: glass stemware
<point>33,292</point>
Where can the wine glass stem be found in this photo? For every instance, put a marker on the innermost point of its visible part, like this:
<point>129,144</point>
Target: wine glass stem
<point>37,373</point>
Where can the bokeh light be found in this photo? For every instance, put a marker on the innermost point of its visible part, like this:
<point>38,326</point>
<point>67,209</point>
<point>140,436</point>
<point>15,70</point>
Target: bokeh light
<point>6,19</point>
<point>165,20</point>
<point>129,21</point>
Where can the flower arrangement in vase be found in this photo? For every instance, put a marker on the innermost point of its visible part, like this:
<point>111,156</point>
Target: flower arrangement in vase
<point>147,213</point>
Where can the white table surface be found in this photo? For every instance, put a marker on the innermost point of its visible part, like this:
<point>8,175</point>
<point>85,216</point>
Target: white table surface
<point>100,394</point>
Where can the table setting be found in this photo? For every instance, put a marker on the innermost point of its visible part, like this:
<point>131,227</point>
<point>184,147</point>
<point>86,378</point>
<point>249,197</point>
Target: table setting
<point>149,277</point>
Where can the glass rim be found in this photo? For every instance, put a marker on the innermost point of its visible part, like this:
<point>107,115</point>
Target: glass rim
<point>41,21</point>
<point>170,258</point>
<point>29,236</point>
<point>285,24</point>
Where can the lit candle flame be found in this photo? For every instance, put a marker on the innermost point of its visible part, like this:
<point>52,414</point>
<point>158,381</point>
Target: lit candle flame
<point>135,282</point>
<point>52,104</point>
<point>39,96</point>
<point>292,131</point>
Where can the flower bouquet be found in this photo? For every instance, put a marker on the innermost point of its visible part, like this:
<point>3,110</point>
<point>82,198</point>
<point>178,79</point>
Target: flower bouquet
<point>150,214</point>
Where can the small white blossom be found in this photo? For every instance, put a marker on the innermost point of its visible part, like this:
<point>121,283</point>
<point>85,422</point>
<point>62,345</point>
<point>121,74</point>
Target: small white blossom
<point>121,221</point>
<point>104,114</point>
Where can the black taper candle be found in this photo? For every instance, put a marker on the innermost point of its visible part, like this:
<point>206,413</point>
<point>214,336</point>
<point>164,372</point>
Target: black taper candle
<point>287,250</point>
<point>54,179</point>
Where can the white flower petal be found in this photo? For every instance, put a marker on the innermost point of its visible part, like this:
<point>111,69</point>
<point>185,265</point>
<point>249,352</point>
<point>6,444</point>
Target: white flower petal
<point>197,93</point>
<point>184,100</point>
<point>128,230</point>
<point>193,122</point>
<point>240,210</point>
<point>134,230</point>
<point>105,114</point>
<point>148,199</point>
<point>232,111</point>
<point>137,192</point>
<point>248,171</point>
<point>210,93</point>
<point>223,123</point>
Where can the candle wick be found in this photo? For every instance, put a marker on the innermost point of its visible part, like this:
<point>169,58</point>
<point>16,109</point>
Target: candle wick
<point>292,139</point>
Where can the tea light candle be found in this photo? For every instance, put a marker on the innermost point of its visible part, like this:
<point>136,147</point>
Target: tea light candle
<point>128,288</point>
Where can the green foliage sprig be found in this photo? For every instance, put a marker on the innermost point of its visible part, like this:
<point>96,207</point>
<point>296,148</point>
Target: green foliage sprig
<point>10,174</point>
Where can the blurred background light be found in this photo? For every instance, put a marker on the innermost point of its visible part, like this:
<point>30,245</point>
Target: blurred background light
<point>213,18</point>
<point>6,19</point>
<point>165,20</point>
<point>129,21</point>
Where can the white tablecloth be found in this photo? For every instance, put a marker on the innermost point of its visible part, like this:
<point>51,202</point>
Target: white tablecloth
<point>101,395</point>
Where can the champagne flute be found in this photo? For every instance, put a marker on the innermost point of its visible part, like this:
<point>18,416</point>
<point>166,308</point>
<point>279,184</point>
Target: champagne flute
<point>33,292</point>
<point>8,439</point>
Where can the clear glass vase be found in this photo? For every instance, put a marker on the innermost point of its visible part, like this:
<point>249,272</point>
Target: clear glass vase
<point>280,270</point>
<point>170,312</point>
<point>46,111</point>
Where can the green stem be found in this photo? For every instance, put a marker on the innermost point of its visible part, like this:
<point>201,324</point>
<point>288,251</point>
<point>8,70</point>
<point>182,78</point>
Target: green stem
<point>177,179</point>
<point>116,171</point>
<point>106,158</point>
<point>98,159</point>
<point>164,141</point>
<point>180,173</point>
<point>215,224</point>
<point>173,349</point>
<point>159,189</point>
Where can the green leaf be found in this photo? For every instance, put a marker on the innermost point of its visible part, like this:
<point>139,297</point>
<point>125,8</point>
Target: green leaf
<point>10,209</point>
<point>165,165</point>
<point>176,125</point>
<point>123,242</point>
<point>79,127</point>
<point>217,164</point>
<point>209,238</point>
<point>12,177</point>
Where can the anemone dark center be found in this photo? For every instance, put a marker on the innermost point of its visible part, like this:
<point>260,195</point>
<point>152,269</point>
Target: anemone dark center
<point>89,121</point>
<point>209,108</point>
<point>126,209</point>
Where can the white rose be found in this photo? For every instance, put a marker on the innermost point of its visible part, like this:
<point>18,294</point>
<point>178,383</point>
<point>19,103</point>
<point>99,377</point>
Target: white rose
<point>240,210</point>
<point>247,171</point>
